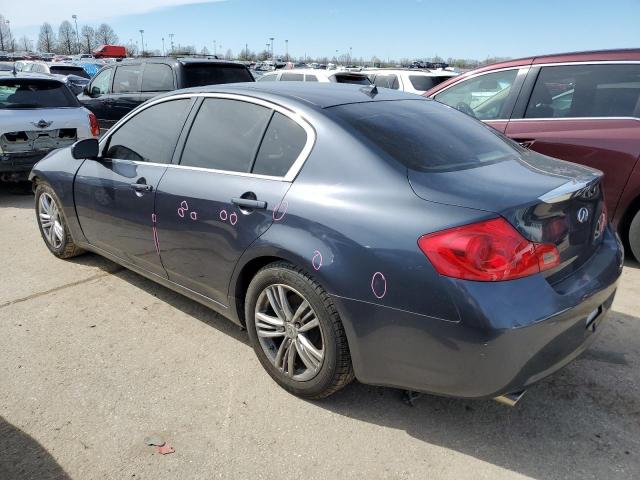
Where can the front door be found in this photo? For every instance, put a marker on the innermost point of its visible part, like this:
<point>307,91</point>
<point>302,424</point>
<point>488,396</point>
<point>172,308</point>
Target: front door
<point>223,195</point>
<point>99,100</point>
<point>115,195</point>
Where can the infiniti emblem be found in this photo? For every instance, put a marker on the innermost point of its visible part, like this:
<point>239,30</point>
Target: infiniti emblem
<point>583,215</point>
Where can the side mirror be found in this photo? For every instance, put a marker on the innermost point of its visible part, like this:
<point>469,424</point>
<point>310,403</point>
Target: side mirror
<point>85,90</point>
<point>87,148</point>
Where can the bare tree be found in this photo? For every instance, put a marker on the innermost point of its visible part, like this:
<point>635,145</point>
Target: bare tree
<point>228,55</point>
<point>204,51</point>
<point>66,37</point>
<point>5,35</point>
<point>132,49</point>
<point>46,38</point>
<point>26,43</point>
<point>105,35</point>
<point>88,35</point>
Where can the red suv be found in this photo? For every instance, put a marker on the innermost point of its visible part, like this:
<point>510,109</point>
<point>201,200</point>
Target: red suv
<point>581,107</point>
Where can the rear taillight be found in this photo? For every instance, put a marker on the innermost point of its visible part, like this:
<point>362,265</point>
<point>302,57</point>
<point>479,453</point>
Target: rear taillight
<point>95,126</point>
<point>487,251</point>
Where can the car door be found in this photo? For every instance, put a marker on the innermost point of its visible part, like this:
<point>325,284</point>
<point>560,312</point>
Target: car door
<point>583,113</point>
<point>98,99</point>
<point>126,90</point>
<point>115,194</point>
<point>489,97</point>
<point>235,168</point>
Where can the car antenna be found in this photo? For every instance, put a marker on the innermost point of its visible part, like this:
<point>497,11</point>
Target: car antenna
<point>370,90</point>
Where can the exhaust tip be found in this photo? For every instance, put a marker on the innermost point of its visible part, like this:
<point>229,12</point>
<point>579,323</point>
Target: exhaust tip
<point>510,399</point>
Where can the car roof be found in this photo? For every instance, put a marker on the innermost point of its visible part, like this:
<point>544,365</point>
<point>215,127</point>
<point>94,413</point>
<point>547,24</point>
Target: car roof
<point>179,60</point>
<point>408,71</point>
<point>27,76</point>
<point>317,95</point>
<point>315,71</point>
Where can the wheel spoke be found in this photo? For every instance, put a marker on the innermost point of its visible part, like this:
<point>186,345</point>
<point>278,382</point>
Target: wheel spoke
<point>313,323</point>
<point>309,360</point>
<point>268,320</point>
<point>59,232</point>
<point>273,301</point>
<point>280,356</point>
<point>51,235</point>
<point>300,310</point>
<point>310,347</point>
<point>291,359</point>
<point>284,302</point>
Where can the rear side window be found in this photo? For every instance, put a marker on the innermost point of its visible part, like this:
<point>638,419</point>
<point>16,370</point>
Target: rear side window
<point>212,74</point>
<point>425,136</point>
<point>424,82</point>
<point>127,79</point>
<point>225,135</point>
<point>483,96</point>
<point>586,91</point>
<point>66,70</point>
<point>267,78</point>
<point>292,77</point>
<point>351,78</point>
<point>281,146</point>
<point>387,81</point>
<point>310,78</point>
<point>157,77</point>
<point>151,135</point>
<point>17,94</point>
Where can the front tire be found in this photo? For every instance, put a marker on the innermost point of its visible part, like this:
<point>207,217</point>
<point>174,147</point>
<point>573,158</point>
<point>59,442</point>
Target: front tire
<point>52,223</point>
<point>296,332</point>
<point>634,236</point>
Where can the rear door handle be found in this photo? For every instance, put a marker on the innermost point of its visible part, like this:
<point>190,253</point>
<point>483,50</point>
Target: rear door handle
<point>249,203</point>
<point>141,187</point>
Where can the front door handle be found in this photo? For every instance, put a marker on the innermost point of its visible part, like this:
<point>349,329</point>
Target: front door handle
<point>249,203</point>
<point>141,187</point>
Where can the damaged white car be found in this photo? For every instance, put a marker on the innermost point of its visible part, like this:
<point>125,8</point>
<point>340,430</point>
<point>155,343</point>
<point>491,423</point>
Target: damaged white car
<point>38,114</point>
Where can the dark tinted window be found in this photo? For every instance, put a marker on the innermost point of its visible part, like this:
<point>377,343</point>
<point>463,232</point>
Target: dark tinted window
<point>586,91</point>
<point>424,135</point>
<point>151,135</point>
<point>68,70</point>
<point>387,81</point>
<point>127,79</point>
<point>213,74</point>
<point>351,78</point>
<point>282,143</point>
<point>157,77</point>
<point>422,82</point>
<point>311,78</point>
<point>17,94</point>
<point>291,77</point>
<point>100,83</point>
<point>225,135</point>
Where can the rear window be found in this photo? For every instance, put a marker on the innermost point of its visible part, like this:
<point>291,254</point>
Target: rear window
<point>351,78</point>
<point>292,77</point>
<point>16,94</point>
<point>212,74</point>
<point>63,70</point>
<point>424,135</point>
<point>423,82</point>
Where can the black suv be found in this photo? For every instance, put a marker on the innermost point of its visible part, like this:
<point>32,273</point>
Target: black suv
<point>120,87</point>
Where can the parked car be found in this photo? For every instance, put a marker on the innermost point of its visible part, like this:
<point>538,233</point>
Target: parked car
<point>582,107</point>
<point>381,235</point>
<point>315,75</point>
<point>120,87</point>
<point>38,114</point>
<point>408,80</point>
<point>62,69</point>
<point>110,51</point>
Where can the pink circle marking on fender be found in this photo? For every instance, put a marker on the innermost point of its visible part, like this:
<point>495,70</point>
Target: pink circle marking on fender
<point>378,283</point>
<point>184,205</point>
<point>233,218</point>
<point>316,261</point>
<point>280,211</point>
<point>194,215</point>
<point>181,212</point>
<point>223,215</point>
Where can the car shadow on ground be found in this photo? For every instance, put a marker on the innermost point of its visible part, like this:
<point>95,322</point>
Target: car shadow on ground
<point>16,195</point>
<point>575,424</point>
<point>23,457</point>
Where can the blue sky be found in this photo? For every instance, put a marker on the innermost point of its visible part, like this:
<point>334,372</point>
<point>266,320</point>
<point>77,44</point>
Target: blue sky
<point>396,29</point>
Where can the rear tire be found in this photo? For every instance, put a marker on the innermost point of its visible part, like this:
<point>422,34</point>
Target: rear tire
<point>297,320</point>
<point>634,236</point>
<point>53,224</point>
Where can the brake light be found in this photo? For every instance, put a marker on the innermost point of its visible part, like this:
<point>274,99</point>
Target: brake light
<point>487,251</point>
<point>95,126</point>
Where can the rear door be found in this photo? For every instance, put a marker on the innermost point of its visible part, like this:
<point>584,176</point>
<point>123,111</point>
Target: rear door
<point>235,168</point>
<point>125,94</point>
<point>489,97</point>
<point>115,195</point>
<point>584,113</point>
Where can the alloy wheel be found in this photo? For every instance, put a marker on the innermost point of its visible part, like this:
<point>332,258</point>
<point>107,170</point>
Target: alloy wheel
<point>50,220</point>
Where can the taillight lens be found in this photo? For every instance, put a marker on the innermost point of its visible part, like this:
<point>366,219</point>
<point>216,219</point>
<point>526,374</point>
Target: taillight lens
<point>95,126</point>
<point>487,251</point>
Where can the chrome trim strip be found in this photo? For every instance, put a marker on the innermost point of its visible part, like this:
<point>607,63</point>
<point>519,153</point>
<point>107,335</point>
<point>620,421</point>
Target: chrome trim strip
<point>546,119</point>
<point>569,189</point>
<point>292,114</point>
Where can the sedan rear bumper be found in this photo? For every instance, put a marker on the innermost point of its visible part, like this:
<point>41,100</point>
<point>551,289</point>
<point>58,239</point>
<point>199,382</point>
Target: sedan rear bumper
<point>512,334</point>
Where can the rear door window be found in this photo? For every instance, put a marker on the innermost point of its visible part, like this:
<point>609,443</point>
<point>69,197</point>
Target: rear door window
<point>225,135</point>
<point>17,94</point>
<point>157,77</point>
<point>198,74</point>
<point>281,146</point>
<point>292,77</point>
<point>151,135</point>
<point>310,78</point>
<point>571,91</point>
<point>127,79</point>
<point>483,96</point>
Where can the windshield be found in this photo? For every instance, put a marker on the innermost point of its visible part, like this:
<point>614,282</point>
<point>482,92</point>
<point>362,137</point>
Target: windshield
<point>424,135</point>
<point>15,94</point>
<point>424,82</point>
<point>212,74</point>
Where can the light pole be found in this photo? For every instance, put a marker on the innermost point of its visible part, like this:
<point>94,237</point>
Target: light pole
<point>215,48</point>
<point>142,38</point>
<point>350,52</point>
<point>272,39</point>
<point>10,40</point>
<point>171,39</point>
<point>75,19</point>
<point>286,50</point>
<point>163,46</point>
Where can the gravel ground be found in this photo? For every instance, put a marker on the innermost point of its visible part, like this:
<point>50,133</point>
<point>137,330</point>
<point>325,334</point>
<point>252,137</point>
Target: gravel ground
<point>94,358</point>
